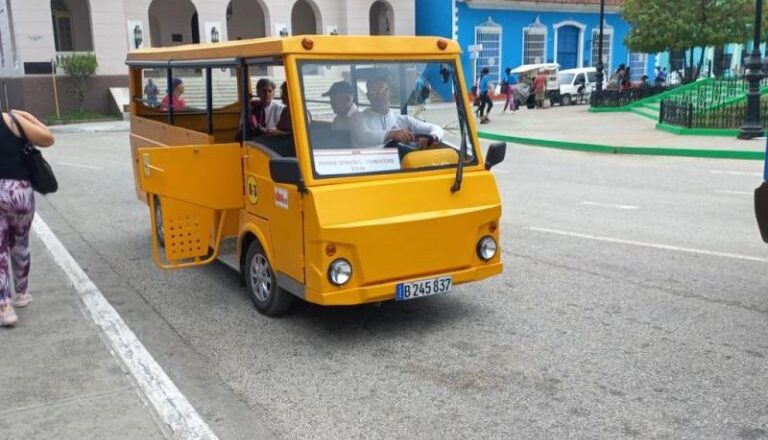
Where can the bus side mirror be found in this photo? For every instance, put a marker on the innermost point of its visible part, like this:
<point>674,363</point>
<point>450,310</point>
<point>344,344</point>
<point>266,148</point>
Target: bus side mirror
<point>496,153</point>
<point>285,170</point>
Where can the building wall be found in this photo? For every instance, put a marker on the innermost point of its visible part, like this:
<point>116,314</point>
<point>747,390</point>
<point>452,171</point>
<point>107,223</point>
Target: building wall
<point>434,18</point>
<point>112,38</point>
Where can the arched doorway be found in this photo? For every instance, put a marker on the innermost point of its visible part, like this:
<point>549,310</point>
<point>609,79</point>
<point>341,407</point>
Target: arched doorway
<point>71,25</point>
<point>246,19</point>
<point>171,23</point>
<point>382,18</point>
<point>568,47</point>
<point>304,18</point>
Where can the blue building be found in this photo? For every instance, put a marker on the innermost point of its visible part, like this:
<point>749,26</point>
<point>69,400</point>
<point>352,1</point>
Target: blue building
<point>515,32</point>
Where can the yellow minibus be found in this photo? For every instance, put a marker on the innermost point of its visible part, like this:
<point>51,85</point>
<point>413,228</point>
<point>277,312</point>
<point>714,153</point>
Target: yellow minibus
<point>340,170</point>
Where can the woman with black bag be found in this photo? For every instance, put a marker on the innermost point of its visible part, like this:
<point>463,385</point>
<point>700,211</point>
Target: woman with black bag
<point>17,207</point>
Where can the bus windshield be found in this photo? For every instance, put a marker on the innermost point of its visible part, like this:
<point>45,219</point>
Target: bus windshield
<point>368,117</point>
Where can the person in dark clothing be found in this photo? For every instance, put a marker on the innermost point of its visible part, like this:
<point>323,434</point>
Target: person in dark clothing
<point>484,88</point>
<point>17,208</point>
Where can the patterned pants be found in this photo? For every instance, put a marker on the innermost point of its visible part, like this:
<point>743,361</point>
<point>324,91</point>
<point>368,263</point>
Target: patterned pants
<point>17,209</point>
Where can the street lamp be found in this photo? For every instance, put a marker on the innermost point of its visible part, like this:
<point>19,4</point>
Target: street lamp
<point>752,127</point>
<point>137,36</point>
<point>214,35</point>
<point>600,67</point>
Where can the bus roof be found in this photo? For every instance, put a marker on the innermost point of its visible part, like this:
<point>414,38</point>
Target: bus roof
<point>320,45</point>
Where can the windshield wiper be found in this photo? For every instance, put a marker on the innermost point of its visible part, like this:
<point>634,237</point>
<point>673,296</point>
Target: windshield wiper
<point>463,149</point>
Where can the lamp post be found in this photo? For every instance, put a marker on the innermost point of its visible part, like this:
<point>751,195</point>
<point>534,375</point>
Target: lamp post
<point>600,67</point>
<point>752,127</point>
<point>137,36</point>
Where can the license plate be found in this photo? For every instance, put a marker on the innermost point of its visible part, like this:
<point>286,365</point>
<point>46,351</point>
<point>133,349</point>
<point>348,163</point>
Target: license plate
<point>419,288</point>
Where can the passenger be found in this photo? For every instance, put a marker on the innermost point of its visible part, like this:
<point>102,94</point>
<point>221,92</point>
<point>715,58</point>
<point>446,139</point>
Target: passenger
<point>177,89</point>
<point>379,124</point>
<point>265,111</point>
<point>342,104</point>
<point>283,125</point>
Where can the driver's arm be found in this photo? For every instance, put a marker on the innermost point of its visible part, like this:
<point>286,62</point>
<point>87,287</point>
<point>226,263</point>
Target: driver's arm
<point>420,127</point>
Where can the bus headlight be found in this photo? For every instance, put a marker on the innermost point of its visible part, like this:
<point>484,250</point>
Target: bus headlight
<point>339,272</point>
<point>486,248</point>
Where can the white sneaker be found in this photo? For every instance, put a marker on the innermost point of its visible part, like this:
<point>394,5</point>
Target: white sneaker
<point>22,299</point>
<point>8,317</point>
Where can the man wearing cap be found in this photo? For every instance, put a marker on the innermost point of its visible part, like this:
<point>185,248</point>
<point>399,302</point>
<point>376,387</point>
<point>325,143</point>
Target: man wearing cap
<point>380,124</point>
<point>342,104</point>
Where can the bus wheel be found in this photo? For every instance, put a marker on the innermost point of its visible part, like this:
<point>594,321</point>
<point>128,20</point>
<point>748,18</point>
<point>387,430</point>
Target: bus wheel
<point>261,282</point>
<point>159,229</point>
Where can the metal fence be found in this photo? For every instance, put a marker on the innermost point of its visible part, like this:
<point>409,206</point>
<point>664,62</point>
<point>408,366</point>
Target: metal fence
<point>684,112</point>
<point>615,98</point>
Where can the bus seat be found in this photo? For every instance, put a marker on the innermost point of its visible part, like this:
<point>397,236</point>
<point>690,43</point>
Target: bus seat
<point>430,158</point>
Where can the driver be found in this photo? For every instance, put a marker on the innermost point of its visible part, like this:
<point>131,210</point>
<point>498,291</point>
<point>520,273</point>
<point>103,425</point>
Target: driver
<point>379,124</point>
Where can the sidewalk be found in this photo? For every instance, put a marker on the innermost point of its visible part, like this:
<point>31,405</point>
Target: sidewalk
<point>575,128</point>
<point>92,127</point>
<point>59,377</point>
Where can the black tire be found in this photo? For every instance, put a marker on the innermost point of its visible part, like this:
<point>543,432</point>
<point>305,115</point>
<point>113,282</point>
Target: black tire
<point>159,230</point>
<point>565,100</point>
<point>261,283</point>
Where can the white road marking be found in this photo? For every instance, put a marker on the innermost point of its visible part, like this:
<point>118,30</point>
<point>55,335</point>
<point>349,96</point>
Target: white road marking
<point>606,205</point>
<point>650,245</point>
<point>738,193</point>
<point>77,165</point>
<point>171,405</point>
<point>736,173</point>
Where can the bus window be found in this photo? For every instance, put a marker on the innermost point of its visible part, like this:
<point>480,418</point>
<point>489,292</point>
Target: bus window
<point>370,116</point>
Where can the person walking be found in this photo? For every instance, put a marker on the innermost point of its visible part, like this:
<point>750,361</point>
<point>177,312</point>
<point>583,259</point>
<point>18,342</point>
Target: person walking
<point>17,208</point>
<point>540,88</point>
<point>484,88</point>
<point>511,89</point>
<point>151,91</point>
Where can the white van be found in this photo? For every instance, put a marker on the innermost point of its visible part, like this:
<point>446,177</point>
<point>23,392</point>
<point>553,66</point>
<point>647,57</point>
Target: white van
<point>570,81</point>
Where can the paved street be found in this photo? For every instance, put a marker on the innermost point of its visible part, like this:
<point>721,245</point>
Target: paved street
<point>633,305</point>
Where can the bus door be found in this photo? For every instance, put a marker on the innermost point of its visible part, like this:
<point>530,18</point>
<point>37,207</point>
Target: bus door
<point>195,185</point>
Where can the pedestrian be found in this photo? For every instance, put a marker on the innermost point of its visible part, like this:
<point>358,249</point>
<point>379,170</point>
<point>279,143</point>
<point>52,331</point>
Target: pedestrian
<point>540,88</point>
<point>17,208</point>
<point>151,91</point>
<point>511,89</point>
<point>484,88</point>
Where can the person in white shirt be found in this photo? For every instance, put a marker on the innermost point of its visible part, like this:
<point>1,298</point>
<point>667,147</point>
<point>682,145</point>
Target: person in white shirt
<point>379,124</point>
<point>342,104</point>
<point>265,112</point>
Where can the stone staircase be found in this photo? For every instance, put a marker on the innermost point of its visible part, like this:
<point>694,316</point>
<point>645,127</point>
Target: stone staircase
<point>225,91</point>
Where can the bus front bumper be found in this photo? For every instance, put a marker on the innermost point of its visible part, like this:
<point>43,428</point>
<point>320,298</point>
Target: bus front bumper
<point>386,291</point>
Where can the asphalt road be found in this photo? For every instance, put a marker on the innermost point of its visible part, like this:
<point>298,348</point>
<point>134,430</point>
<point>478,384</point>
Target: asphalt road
<point>634,304</point>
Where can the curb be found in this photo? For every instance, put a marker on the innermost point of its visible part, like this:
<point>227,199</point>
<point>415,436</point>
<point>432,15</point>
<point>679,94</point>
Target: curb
<point>729,132</point>
<point>648,151</point>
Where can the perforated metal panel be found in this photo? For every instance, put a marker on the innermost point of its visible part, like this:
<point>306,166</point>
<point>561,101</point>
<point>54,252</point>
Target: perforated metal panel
<point>188,229</point>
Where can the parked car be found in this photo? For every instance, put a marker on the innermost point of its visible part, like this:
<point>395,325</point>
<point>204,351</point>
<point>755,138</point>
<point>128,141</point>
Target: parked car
<point>574,85</point>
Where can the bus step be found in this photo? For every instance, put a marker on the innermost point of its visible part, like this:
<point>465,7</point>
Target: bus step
<point>228,253</point>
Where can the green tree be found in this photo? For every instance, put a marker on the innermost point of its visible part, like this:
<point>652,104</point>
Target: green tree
<point>79,67</point>
<point>664,25</point>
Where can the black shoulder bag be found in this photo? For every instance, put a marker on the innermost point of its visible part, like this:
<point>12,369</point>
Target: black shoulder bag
<point>40,172</point>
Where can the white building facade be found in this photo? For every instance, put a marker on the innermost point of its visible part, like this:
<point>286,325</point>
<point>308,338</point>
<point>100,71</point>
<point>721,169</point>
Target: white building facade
<point>33,33</point>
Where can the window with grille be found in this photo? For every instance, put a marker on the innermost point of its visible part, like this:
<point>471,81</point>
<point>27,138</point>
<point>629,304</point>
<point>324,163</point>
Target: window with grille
<point>488,35</point>
<point>677,59</point>
<point>637,64</point>
<point>607,40</point>
<point>535,43</point>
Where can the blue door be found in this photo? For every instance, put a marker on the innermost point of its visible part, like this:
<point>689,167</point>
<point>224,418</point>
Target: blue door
<point>568,47</point>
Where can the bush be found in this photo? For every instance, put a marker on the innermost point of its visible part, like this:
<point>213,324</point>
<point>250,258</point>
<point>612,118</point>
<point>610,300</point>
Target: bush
<point>79,67</point>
